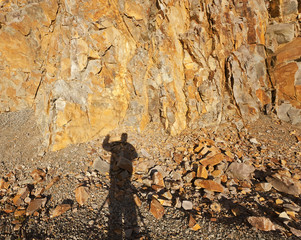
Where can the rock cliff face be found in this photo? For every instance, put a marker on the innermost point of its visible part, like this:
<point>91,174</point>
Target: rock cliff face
<point>86,67</point>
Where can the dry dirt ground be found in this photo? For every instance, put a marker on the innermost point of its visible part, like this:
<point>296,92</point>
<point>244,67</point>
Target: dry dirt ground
<point>71,193</point>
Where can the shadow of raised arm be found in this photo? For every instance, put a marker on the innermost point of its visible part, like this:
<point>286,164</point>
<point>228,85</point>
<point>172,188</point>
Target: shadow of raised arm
<point>106,145</point>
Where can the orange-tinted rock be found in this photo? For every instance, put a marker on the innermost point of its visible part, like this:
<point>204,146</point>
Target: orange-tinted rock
<point>137,200</point>
<point>285,80</point>
<point>212,161</point>
<point>158,179</point>
<point>38,175</point>
<point>202,172</point>
<point>53,181</point>
<point>60,209</point>
<point>22,193</point>
<point>209,185</point>
<point>193,224</point>
<point>35,205</point>
<point>131,63</point>
<point>81,195</point>
<point>289,52</point>
<point>19,213</point>
<point>157,209</point>
<point>4,184</point>
<point>178,157</point>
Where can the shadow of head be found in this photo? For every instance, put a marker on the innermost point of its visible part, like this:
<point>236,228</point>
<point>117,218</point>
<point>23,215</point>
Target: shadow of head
<point>124,137</point>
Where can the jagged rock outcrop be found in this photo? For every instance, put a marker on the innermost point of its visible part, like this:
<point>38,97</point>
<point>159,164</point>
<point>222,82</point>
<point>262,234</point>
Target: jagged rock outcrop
<point>87,67</point>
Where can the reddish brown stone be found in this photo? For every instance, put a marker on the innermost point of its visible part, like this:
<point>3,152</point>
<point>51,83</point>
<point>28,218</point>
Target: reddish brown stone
<point>60,209</point>
<point>34,205</point>
<point>202,172</point>
<point>209,185</point>
<point>285,80</point>
<point>157,209</point>
<point>81,195</point>
<point>212,161</point>
<point>22,193</point>
<point>289,52</point>
<point>158,179</point>
<point>263,97</point>
<point>178,157</point>
<point>38,175</point>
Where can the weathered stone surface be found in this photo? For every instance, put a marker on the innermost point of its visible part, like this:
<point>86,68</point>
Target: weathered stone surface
<point>209,185</point>
<point>214,160</point>
<point>88,67</point>
<point>81,195</point>
<point>157,209</point>
<point>187,205</point>
<point>35,204</point>
<point>241,171</point>
<point>101,166</point>
<point>60,209</point>
<point>261,223</point>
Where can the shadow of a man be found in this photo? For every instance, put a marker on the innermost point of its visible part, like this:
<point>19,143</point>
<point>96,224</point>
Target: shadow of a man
<point>122,208</point>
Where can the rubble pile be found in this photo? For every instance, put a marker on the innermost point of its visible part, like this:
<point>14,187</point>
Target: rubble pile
<point>217,175</point>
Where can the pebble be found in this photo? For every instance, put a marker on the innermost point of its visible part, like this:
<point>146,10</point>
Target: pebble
<point>187,205</point>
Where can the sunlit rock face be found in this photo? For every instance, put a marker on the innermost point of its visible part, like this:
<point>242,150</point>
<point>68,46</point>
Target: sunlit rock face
<point>87,67</point>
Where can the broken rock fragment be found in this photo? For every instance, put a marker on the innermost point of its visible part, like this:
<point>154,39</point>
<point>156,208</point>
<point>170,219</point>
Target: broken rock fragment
<point>187,205</point>
<point>261,223</point>
<point>3,184</point>
<point>60,209</point>
<point>284,184</point>
<point>101,165</point>
<point>38,175</point>
<point>158,179</point>
<point>212,161</point>
<point>22,193</point>
<point>241,171</point>
<point>202,172</point>
<point>193,224</point>
<point>157,209</point>
<point>53,181</point>
<point>35,204</point>
<point>81,195</point>
<point>209,185</point>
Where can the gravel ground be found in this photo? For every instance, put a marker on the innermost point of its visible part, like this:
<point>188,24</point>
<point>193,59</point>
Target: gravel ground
<point>267,142</point>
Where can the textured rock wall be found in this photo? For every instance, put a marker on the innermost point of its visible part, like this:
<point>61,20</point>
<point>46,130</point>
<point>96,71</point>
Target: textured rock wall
<point>87,67</point>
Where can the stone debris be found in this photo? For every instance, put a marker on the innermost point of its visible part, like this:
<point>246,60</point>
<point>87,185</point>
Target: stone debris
<point>157,209</point>
<point>261,223</point>
<point>158,179</point>
<point>187,205</point>
<point>81,195</point>
<point>216,207</point>
<point>240,171</point>
<point>209,185</point>
<point>193,223</point>
<point>203,178</point>
<point>38,175</point>
<point>52,182</point>
<point>60,209</point>
<point>22,193</point>
<point>284,184</point>
<point>295,231</point>
<point>35,205</point>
